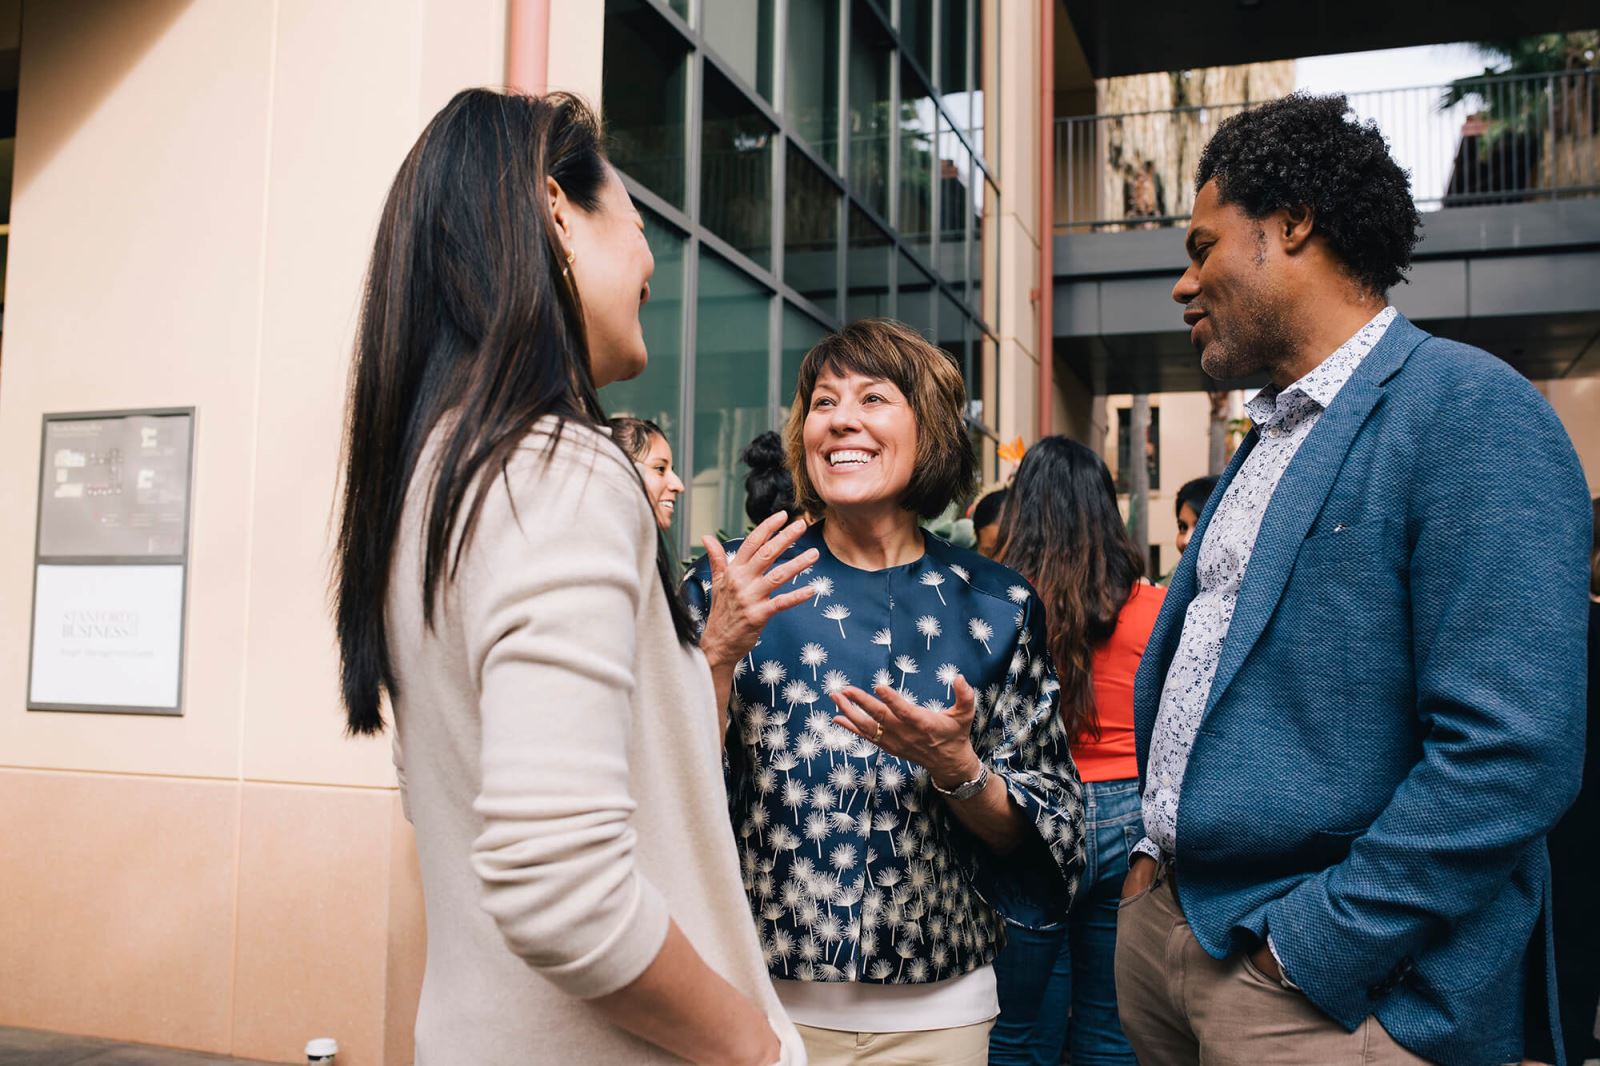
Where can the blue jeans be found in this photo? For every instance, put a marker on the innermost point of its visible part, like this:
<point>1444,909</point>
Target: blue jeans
<point>1048,977</point>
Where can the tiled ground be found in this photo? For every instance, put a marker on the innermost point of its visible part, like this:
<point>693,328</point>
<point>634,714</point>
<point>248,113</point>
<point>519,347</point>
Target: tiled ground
<point>36,1048</point>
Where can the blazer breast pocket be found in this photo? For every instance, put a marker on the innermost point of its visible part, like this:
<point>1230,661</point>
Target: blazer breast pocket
<point>1336,551</point>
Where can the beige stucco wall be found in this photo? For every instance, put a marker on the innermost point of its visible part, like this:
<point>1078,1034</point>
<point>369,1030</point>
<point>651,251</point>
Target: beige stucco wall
<point>1577,402</point>
<point>196,187</point>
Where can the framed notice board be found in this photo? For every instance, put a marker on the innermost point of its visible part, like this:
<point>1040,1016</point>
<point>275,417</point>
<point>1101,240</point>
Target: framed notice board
<point>111,562</point>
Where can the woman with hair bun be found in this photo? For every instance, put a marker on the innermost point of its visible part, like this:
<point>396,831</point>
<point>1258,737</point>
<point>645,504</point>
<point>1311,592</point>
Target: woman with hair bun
<point>769,487</point>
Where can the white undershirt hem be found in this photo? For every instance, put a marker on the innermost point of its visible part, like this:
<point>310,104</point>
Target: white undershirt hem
<point>856,1007</point>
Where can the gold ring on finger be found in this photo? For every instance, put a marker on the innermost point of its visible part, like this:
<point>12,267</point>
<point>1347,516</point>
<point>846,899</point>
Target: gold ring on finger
<point>876,736</point>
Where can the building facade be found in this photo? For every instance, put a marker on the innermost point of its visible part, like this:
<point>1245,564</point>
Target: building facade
<point>196,188</point>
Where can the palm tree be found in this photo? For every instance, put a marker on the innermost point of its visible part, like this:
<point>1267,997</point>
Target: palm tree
<point>837,612</point>
<point>947,674</point>
<point>933,579</point>
<point>961,572</point>
<point>981,631</point>
<point>820,587</point>
<point>906,665</point>
<point>883,637</point>
<point>928,626</point>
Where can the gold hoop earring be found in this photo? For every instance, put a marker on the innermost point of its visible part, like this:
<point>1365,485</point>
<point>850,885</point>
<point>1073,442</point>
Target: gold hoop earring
<point>567,270</point>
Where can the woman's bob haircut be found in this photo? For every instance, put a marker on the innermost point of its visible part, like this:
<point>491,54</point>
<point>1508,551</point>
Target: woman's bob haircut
<point>885,350</point>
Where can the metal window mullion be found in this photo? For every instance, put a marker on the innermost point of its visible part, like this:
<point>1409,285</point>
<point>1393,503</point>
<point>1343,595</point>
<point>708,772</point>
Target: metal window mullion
<point>841,124</point>
<point>892,201</point>
<point>694,114</point>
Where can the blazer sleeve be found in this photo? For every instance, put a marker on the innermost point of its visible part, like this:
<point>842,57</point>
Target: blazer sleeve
<point>549,594</point>
<point>1499,532</point>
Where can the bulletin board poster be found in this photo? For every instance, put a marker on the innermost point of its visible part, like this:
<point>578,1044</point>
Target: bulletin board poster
<point>111,562</point>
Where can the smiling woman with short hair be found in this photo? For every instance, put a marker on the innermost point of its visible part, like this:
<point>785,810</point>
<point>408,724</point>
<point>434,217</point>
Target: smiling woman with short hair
<point>899,773</point>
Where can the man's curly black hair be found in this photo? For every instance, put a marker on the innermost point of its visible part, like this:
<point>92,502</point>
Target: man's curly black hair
<point>1302,151</point>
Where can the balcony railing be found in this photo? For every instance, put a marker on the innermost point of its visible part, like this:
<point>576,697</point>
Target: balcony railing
<point>1498,139</point>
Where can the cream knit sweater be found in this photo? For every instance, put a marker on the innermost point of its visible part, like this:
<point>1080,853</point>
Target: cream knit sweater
<point>558,756</point>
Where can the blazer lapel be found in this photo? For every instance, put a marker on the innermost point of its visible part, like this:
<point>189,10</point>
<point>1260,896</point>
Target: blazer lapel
<point>1300,495</point>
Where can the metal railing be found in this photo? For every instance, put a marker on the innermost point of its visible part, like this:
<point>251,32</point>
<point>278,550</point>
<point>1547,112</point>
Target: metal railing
<point>1496,139</point>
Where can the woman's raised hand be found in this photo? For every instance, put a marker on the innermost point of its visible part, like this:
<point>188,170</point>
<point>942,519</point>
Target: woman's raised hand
<point>936,739</point>
<point>741,589</point>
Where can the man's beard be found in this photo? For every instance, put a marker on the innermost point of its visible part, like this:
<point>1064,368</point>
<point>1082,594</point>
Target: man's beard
<point>1260,339</point>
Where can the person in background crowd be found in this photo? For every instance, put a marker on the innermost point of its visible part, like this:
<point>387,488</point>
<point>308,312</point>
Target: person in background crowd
<point>768,487</point>
<point>1191,503</point>
<point>649,448</point>
<point>1063,532</point>
<point>899,772</point>
<point>1574,872</point>
<point>498,580</point>
<point>986,522</point>
<point>1361,710</point>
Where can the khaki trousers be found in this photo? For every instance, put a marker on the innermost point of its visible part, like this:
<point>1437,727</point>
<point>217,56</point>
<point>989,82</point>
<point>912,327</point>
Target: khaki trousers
<point>967,1045</point>
<point>1181,1006</point>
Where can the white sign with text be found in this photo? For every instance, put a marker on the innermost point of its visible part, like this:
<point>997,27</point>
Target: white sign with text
<point>107,636</point>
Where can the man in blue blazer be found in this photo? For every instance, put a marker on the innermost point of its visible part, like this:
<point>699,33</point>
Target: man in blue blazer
<point>1362,706</point>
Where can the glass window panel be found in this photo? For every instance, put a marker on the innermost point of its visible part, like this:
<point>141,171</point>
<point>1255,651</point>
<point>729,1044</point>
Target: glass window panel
<point>867,269</point>
<point>952,335</point>
<point>740,32</point>
<point>986,351</point>
<point>870,120</point>
<point>643,87</point>
<point>656,394</point>
<point>917,151</point>
<point>801,333</point>
<point>955,204</point>
<point>736,169</point>
<point>730,394</point>
<point>916,30</point>
<point>811,95</point>
<point>811,232</point>
<point>914,303</point>
<point>953,85</point>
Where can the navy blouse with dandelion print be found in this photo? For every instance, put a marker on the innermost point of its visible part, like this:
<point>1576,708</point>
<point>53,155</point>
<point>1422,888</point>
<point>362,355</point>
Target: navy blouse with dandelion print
<point>855,868</point>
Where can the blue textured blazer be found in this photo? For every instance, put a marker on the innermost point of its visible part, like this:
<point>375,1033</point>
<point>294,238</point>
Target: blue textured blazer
<point>1397,716</point>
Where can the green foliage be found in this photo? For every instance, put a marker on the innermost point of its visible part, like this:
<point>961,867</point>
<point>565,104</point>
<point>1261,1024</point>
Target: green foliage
<point>1515,106</point>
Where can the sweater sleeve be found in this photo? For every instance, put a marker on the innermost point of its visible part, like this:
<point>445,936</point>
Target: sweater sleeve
<point>549,594</point>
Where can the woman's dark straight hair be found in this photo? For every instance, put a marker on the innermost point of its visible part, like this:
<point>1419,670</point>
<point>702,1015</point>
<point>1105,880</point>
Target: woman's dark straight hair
<point>1060,528</point>
<point>468,326</point>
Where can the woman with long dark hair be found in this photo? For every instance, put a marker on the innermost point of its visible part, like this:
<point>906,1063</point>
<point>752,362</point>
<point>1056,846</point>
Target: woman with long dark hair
<point>499,581</point>
<point>1061,529</point>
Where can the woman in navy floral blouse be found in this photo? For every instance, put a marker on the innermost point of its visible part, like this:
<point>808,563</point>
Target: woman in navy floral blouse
<point>898,771</point>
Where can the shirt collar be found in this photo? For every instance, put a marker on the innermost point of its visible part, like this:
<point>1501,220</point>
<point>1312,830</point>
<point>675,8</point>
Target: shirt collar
<point>1322,383</point>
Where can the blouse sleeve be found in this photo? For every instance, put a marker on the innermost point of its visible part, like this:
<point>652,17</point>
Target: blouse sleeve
<point>1018,734</point>
<point>696,590</point>
<point>548,595</point>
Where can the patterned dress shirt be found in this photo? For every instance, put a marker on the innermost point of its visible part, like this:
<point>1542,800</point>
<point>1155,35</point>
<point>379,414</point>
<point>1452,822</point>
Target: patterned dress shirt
<point>854,866</point>
<point>1284,419</point>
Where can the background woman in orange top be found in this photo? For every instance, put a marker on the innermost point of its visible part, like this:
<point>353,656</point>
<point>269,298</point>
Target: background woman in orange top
<point>1061,530</point>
